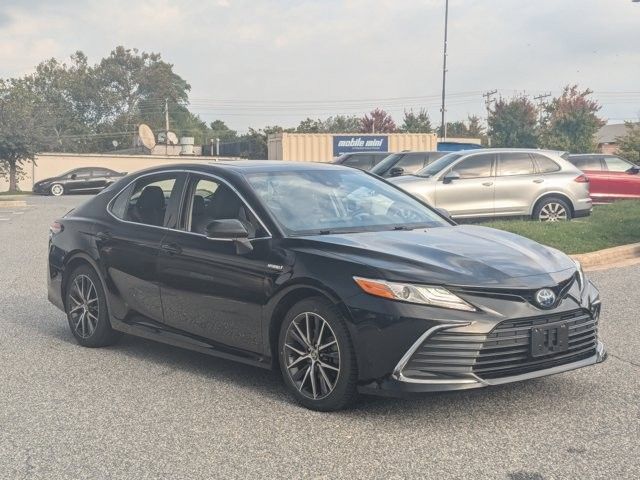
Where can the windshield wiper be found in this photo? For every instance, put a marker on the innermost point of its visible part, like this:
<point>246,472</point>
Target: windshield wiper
<point>403,227</point>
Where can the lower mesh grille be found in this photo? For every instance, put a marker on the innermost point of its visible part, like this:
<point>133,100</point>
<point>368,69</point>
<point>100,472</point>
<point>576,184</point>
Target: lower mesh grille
<point>503,352</point>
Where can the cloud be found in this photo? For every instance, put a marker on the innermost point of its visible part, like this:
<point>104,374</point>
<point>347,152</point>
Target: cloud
<point>310,50</point>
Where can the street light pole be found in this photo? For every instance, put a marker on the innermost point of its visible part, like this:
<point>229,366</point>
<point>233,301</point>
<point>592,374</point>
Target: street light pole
<point>444,71</point>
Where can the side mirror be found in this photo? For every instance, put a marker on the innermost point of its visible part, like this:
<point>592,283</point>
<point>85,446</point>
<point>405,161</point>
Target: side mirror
<point>444,212</point>
<point>634,170</point>
<point>230,229</point>
<point>451,176</point>
<point>73,176</point>
<point>396,171</point>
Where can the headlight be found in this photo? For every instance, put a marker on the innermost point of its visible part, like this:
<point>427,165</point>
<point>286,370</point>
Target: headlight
<point>580,272</point>
<point>408,292</point>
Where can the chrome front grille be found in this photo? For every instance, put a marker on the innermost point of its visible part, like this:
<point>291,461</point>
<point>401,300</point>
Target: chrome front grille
<point>504,352</point>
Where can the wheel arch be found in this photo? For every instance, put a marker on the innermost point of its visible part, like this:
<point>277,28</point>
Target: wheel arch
<point>73,261</point>
<point>283,302</point>
<point>546,195</point>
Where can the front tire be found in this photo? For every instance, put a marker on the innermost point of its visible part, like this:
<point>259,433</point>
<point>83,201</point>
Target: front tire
<point>317,358</point>
<point>552,209</point>
<point>56,190</point>
<point>86,307</point>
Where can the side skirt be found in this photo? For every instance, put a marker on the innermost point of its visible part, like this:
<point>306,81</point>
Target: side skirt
<point>140,327</point>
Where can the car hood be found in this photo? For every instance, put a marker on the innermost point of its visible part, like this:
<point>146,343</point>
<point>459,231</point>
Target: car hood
<point>45,180</point>
<point>454,255</point>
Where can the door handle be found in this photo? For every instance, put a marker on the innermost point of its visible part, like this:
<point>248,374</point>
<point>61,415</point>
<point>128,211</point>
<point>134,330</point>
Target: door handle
<point>538,180</point>
<point>104,236</point>
<point>171,248</point>
<point>487,184</point>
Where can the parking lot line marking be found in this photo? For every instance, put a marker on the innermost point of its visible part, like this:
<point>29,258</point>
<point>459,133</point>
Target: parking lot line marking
<point>17,213</point>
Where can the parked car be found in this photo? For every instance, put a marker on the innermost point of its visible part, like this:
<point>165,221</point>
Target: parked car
<point>78,180</point>
<point>457,146</point>
<point>335,277</point>
<point>501,183</point>
<point>405,163</point>
<point>361,160</point>
<point>610,177</point>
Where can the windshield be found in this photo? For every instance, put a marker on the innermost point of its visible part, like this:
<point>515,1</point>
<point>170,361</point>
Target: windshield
<point>387,163</point>
<point>337,201</point>
<point>438,165</point>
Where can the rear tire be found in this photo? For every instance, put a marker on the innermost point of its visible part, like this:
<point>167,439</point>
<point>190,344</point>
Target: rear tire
<point>317,358</point>
<point>552,209</point>
<point>86,307</point>
<point>56,190</point>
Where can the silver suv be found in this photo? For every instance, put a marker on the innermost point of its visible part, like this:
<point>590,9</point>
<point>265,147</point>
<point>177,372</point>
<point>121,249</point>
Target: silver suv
<point>502,182</point>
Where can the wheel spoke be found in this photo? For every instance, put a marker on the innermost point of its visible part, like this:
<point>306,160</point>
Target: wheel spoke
<point>306,321</point>
<point>298,360</point>
<point>299,352</point>
<point>314,388</point>
<point>301,336</point>
<point>319,339</point>
<point>327,345</point>
<point>325,377</point>
<point>79,306</point>
<point>326,365</point>
<point>304,379</point>
<point>299,339</point>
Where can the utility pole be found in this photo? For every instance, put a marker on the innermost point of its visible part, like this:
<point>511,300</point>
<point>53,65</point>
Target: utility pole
<point>488,100</point>
<point>166,126</point>
<point>444,70</point>
<point>540,98</point>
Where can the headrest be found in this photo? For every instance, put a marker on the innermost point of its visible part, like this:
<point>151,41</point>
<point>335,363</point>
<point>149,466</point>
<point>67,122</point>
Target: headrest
<point>151,198</point>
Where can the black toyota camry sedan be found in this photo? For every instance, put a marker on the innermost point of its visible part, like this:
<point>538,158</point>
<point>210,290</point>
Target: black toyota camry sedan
<point>340,280</point>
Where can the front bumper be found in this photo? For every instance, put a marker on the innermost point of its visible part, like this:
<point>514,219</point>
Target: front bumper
<point>490,348</point>
<point>399,386</point>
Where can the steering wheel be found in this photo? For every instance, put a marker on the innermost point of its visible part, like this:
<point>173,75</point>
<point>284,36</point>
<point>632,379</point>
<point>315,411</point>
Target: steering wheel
<point>409,215</point>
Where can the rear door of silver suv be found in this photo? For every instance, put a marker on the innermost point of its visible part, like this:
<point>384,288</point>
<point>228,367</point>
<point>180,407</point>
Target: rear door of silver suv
<point>517,184</point>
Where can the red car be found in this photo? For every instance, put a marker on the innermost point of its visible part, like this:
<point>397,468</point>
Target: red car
<point>611,177</point>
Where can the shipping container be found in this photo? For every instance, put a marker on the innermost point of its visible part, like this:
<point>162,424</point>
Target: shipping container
<point>324,147</point>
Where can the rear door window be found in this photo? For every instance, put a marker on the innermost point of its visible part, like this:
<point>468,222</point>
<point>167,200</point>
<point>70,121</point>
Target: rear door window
<point>146,200</point>
<point>515,164</point>
<point>477,166</point>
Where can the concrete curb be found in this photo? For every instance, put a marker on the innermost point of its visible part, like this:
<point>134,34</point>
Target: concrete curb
<point>12,203</point>
<point>608,256</point>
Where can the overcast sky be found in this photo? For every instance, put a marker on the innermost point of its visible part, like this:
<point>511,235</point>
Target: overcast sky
<point>266,62</point>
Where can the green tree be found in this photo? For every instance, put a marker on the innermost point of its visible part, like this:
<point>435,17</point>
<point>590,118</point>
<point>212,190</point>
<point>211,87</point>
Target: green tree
<point>309,125</point>
<point>341,124</point>
<point>416,122</point>
<point>377,121</point>
<point>20,128</point>
<point>513,123</point>
<point>571,121</point>
<point>629,143</point>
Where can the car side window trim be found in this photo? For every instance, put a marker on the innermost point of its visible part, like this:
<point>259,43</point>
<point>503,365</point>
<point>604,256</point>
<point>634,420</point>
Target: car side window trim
<point>183,188</point>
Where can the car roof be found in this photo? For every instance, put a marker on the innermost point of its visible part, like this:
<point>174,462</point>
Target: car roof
<point>506,150</point>
<point>248,166</point>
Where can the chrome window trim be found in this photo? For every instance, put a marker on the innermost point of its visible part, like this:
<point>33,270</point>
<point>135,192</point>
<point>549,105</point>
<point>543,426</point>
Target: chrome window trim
<point>197,172</point>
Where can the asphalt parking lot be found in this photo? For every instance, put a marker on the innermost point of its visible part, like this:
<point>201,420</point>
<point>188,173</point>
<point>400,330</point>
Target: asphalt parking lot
<point>146,410</point>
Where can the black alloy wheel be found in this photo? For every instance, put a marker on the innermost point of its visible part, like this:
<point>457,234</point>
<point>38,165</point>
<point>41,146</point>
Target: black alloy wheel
<point>316,356</point>
<point>86,309</point>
